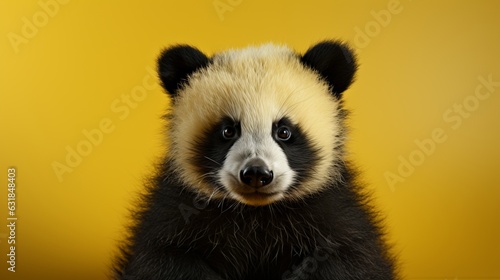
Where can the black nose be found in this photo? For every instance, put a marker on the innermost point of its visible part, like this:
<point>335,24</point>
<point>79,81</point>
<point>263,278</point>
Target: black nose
<point>256,176</point>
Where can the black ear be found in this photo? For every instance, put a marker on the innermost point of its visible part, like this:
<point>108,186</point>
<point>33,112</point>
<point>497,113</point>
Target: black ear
<point>335,62</point>
<point>176,63</point>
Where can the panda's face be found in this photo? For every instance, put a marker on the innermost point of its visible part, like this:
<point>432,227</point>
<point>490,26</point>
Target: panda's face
<point>263,160</point>
<point>254,166</point>
<point>256,126</point>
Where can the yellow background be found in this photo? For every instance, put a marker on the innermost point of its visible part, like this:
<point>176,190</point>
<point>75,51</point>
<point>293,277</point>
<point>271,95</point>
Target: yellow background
<point>77,68</point>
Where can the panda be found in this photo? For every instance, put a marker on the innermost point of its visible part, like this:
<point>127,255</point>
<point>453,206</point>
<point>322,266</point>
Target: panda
<point>255,184</point>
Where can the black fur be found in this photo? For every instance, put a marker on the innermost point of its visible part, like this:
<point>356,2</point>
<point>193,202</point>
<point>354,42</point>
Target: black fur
<point>329,235</point>
<point>175,64</point>
<point>335,62</point>
<point>180,235</point>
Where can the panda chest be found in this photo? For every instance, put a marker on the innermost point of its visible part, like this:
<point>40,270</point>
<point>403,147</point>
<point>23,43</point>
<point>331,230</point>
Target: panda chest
<point>252,244</point>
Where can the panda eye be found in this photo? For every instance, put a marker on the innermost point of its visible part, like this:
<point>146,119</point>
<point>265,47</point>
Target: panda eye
<point>229,132</point>
<point>283,133</point>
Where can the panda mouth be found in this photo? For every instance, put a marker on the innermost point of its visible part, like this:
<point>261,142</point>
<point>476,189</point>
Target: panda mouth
<point>257,198</point>
<point>254,196</point>
<point>258,194</point>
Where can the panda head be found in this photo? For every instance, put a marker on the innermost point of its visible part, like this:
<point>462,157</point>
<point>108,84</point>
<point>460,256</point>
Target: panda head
<point>257,125</point>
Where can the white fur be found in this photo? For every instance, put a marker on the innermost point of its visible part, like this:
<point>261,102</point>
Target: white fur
<point>256,145</point>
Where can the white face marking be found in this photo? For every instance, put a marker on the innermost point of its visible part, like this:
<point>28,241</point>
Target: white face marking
<point>249,148</point>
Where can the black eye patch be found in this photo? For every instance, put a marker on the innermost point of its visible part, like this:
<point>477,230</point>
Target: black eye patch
<point>211,147</point>
<point>300,153</point>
